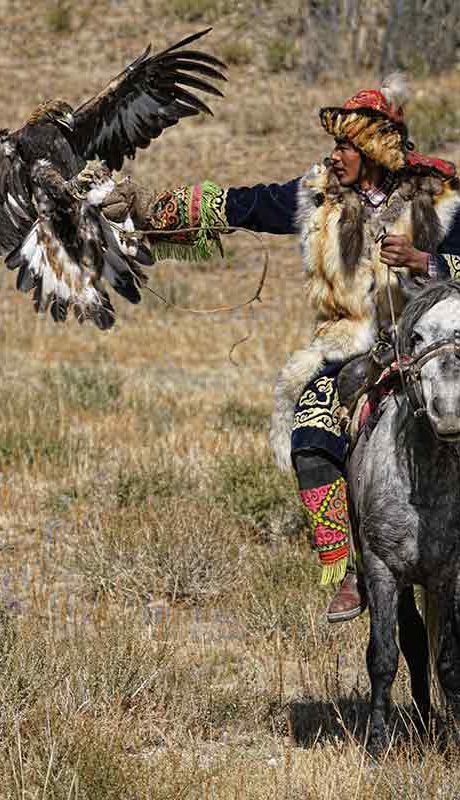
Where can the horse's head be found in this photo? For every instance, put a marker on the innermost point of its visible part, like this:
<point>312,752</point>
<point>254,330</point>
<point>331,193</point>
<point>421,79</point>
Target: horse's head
<point>430,334</point>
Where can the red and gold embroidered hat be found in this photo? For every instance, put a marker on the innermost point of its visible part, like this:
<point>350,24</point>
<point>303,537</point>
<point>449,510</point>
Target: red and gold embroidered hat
<point>373,120</point>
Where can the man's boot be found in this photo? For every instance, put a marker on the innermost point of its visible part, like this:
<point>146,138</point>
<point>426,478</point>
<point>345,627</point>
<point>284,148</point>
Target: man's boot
<point>349,601</point>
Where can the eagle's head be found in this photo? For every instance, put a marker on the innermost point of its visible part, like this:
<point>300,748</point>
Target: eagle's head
<point>57,111</point>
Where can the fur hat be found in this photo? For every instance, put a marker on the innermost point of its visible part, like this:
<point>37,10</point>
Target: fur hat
<point>373,120</point>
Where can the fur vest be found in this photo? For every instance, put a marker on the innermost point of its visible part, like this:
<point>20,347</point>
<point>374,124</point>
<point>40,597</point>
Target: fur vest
<point>346,282</point>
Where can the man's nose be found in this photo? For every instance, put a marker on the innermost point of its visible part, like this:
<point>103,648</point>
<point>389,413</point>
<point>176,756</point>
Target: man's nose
<point>335,156</point>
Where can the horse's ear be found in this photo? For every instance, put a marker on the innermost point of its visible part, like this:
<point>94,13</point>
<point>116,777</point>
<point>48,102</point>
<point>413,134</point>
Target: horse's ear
<point>413,285</point>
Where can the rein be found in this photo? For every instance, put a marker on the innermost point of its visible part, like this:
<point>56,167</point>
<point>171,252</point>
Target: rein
<point>409,367</point>
<point>412,367</point>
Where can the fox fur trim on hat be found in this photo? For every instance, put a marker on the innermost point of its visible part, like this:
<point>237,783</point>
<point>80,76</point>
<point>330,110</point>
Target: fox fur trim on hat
<point>346,282</point>
<point>371,130</point>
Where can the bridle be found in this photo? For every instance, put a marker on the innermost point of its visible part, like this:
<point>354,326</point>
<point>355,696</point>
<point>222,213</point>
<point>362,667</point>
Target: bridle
<point>410,368</point>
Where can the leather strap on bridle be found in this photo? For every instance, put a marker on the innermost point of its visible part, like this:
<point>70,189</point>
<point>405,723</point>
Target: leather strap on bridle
<point>412,368</point>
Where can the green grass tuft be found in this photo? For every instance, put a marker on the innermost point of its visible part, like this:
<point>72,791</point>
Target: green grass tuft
<point>59,17</point>
<point>434,121</point>
<point>88,388</point>
<point>258,494</point>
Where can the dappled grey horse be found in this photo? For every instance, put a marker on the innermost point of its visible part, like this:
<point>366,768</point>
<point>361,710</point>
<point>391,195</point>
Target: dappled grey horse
<point>405,486</point>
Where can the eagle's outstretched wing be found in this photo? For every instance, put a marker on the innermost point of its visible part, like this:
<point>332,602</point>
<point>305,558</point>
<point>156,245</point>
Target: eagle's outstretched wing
<point>17,212</point>
<point>148,96</point>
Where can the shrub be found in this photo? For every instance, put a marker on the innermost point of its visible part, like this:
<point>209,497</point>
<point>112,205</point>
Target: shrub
<point>257,493</point>
<point>277,600</point>
<point>433,121</point>
<point>191,10</point>
<point>281,54</point>
<point>237,415</point>
<point>178,549</point>
<point>91,388</point>
<point>59,17</point>
<point>236,51</point>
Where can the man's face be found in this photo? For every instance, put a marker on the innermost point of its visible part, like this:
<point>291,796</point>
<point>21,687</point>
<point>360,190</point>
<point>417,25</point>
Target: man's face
<point>346,163</point>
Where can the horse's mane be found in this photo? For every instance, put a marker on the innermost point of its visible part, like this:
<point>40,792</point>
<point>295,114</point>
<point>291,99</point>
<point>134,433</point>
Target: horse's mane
<point>422,302</point>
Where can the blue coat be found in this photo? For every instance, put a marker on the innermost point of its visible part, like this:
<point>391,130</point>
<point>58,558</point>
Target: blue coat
<point>272,208</point>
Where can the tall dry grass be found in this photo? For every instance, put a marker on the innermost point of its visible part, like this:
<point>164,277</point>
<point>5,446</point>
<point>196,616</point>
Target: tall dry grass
<point>162,634</point>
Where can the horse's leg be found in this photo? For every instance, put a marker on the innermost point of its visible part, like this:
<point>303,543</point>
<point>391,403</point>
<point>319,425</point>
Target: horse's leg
<point>414,645</point>
<point>449,650</point>
<point>382,651</point>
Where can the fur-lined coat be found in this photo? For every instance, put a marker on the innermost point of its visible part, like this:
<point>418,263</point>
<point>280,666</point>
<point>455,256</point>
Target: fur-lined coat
<point>346,283</point>
<point>346,287</point>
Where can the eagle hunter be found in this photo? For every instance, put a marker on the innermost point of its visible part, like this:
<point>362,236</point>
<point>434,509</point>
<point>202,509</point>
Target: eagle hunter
<point>56,170</point>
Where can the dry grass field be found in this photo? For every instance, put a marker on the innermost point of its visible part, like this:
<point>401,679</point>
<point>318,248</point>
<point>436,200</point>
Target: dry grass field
<point>162,634</point>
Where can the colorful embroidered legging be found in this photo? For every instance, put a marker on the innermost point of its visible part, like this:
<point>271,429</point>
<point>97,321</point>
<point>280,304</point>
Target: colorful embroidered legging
<point>319,448</point>
<point>323,491</point>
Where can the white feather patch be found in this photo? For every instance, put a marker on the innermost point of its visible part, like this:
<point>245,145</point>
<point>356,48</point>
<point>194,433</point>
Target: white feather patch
<point>97,194</point>
<point>127,245</point>
<point>395,88</point>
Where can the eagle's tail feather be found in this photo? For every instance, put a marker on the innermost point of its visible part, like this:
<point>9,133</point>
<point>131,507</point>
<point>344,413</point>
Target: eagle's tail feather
<point>94,303</point>
<point>57,280</point>
<point>120,278</point>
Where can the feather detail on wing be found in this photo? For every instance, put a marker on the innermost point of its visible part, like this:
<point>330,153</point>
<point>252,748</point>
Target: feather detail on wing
<point>17,212</point>
<point>151,94</point>
<point>57,280</point>
<point>72,248</point>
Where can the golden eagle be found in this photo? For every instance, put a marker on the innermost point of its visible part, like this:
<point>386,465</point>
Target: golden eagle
<point>51,225</point>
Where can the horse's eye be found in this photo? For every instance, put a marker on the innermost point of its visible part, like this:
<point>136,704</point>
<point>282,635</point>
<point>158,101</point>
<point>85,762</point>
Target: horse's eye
<point>416,339</point>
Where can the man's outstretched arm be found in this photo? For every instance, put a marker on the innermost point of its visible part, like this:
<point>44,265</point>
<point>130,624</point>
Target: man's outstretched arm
<point>186,222</point>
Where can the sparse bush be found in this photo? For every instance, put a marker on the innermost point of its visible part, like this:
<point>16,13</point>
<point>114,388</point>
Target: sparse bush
<point>177,291</point>
<point>59,16</point>
<point>433,121</point>
<point>236,51</point>
<point>199,554</point>
<point>225,693</point>
<point>237,415</point>
<point>95,388</point>
<point>280,54</point>
<point>179,550</point>
<point>191,10</point>
<point>261,121</point>
<point>39,447</point>
<point>259,495</point>
<point>143,485</point>
<point>276,598</point>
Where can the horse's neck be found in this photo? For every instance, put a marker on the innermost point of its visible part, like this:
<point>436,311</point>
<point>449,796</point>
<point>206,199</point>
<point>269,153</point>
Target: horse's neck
<point>428,461</point>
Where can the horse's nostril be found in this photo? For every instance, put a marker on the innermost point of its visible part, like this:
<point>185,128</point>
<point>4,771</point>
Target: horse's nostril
<point>448,406</point>
<point>437,404</point>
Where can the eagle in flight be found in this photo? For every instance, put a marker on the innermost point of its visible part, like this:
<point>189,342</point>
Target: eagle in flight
<point>55,172</point>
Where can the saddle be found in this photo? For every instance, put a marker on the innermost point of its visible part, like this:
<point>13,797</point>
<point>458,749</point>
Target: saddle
<point>362,384</point>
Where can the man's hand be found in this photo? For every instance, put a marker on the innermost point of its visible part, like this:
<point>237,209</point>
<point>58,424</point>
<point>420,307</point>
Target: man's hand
<point>397,251</point>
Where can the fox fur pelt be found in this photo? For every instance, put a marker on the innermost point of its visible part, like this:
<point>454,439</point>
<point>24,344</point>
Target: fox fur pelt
<point>346,282</point>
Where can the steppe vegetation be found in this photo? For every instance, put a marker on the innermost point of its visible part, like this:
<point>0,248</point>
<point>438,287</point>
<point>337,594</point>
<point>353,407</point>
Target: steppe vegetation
<point>162,634</point>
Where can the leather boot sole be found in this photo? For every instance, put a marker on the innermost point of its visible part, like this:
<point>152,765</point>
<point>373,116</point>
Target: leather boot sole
<point>344,616</point>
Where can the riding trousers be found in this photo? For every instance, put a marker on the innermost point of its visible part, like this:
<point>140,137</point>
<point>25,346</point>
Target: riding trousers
<point>319,448</point>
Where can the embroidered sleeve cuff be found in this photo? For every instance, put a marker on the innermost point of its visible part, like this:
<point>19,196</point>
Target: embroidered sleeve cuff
<point>186,222</point>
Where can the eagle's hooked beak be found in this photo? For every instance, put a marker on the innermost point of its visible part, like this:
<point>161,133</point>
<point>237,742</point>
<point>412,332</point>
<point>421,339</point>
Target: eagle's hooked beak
<point>68,121</point>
